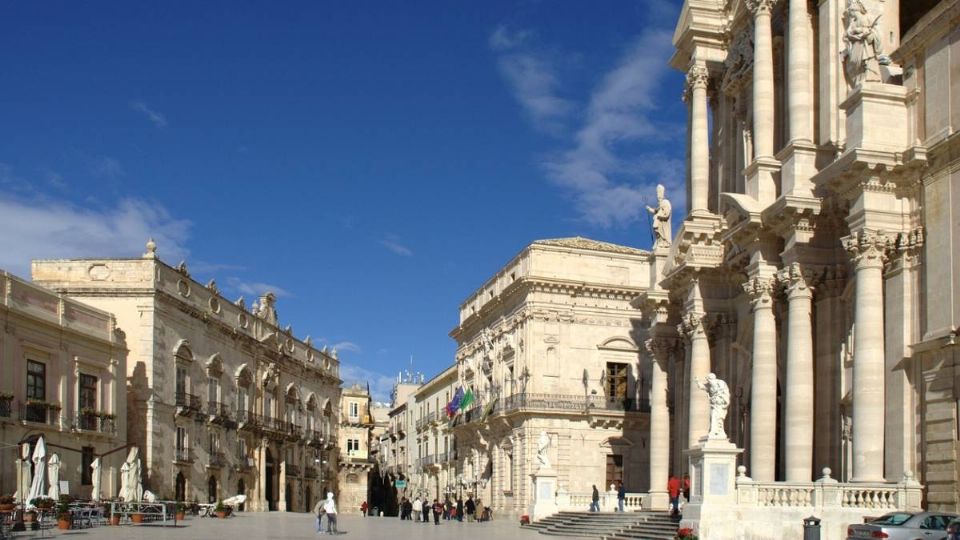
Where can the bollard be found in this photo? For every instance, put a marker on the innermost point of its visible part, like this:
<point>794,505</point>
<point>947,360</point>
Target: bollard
<point>811,528</point>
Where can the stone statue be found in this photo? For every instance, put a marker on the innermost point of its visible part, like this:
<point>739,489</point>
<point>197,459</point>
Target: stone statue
<point>543,444</point>
<point>864,53</point>
<point>661,219</point>
<point>719,401</point>
<point>267,309</point>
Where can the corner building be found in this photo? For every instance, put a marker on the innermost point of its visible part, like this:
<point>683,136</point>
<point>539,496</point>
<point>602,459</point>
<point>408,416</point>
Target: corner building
<point>220,399</point>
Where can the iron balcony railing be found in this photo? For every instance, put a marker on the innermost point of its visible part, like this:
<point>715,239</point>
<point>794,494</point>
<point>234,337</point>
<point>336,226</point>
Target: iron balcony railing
<point>6,407</point>
<point>188,403</point>
<point>217,410</point>
<point>567,402</point>
<point>309,472</point>
<point>217,460</point>
<point>40,413</point>
<point>183,455</point>
<point>292,470</point>
<point>95,421</point>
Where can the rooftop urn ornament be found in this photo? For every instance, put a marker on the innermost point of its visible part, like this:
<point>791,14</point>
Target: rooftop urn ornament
<point>863,54</point>
<point>661,219</point>
<point>719,401</point>
<point>266,309</point>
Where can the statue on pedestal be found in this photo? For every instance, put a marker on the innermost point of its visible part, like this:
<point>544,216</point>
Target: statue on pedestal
<point>719,401</point>
<point>661,219</point>
<point>864,53</point>
<point>543,444</point>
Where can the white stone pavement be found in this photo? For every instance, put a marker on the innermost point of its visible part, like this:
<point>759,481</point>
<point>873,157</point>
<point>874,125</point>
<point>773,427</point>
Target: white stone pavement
<point>300,526</point>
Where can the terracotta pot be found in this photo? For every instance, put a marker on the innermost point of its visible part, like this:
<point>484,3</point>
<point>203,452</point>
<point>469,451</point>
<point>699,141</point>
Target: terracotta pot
<point>63,523</point>
<point>7,507</point>
<point>29,517</point>
<point>221,514</point>
<point>115,519</point>
<point>136,518</point>
<point>180,516</point>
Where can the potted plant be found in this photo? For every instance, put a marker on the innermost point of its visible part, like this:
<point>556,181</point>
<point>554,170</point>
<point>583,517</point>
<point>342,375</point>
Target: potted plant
<point>686,533</point>
<point>220,510</point>
<point>181,513</point>
<point>43,503</point>
<point>7,503</point>
<point>136,516</point>
<point>64,518</point>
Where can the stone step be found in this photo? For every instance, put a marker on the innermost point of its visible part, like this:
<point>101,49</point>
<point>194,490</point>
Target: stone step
<point>612,525</point>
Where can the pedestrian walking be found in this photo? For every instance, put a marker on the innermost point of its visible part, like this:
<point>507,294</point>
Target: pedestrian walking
<point>363,508</point>
<point>437,510</point>
<point>459,509</point>
<point>673,488</point>
<point>319,511</point>
<point>621,495</point>
<point>686,488</point>
<point>595,500</point>
<point>330,508</point>
<point>417,508</point>
<point>470,508</point>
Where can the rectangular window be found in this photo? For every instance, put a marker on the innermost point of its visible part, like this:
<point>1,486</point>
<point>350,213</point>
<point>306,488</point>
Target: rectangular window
<point>354,409</point>
<point>213,390</point>
<point>181,381</point>
<point>616,381</point>
<point>182,454</point>
<point>241,399</point>
<point>242,450</point>
<point>36,380</point>
<point>268,405</point>
<point>88,392</point>
<point>86,460</point>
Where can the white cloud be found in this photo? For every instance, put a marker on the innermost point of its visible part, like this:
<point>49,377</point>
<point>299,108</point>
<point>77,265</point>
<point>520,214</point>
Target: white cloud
<point>381,386</point>
<point>348,346</point>
<point>106,167</point>
<point>42,228</point>
<point>255,289</point>
<point>611,185</point>
<point>158,119</point>
<point>532,77</point>
<point>392,243</point>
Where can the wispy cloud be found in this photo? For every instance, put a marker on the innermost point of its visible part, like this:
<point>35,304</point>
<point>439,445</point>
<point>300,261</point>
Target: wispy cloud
<point>392,242</point>
<point>42,228</point>
<point>106,167</point>
<point>531,75</point>
<point>158,119</point>
<point>255,289</point>
<point>348,346</point>
<point>381,386</point>
<point>609,166</point>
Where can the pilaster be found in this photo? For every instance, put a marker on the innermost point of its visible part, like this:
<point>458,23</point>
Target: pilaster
<point>798,413</point>
<point>763,393</point>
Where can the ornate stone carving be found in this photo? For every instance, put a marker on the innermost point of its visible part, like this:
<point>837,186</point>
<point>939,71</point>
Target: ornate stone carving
<point>760,291</point>
<point>660,347</point>
<point>867,248</point>
<point>908,245</point>
<point>543,444</point>
<point>759,7</point>
<point>738,66</point>
<point>796,280</point>
<point>698,77</point>
<point>661,218</point>
<point>863,55</point>
<point>692,325</point>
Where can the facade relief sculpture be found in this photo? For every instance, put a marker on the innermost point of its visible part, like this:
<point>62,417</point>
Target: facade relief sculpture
<point>863,55</point>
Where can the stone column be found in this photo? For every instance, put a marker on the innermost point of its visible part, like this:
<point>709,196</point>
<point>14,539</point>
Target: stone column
<point>798,75</point>
<point>867,250</point>
<point>697,79</point>
<point>659,349</point>
<point>763,393</point>
<point>798,416</point>
<point>762,78</point>
<point>261,504</point>
<point>698,423</point>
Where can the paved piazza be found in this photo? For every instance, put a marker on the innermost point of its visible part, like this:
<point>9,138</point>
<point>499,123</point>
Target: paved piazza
<point>297,525</point>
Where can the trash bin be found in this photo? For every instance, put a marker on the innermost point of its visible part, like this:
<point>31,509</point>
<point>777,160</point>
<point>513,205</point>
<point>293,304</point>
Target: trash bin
<point>811,528</point>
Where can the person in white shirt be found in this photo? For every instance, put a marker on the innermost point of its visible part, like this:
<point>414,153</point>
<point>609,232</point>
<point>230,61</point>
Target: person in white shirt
<point>330,507</point>
<point>417,508</point>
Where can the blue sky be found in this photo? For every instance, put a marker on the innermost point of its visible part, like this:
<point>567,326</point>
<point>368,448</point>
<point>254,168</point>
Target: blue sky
<point>372,162</point>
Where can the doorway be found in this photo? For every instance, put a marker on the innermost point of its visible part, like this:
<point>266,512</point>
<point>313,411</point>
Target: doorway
<point>614,469</point>
<point>180,487</point>
<point>268,492</point>
<point>242,490</point>
<point>212,490</point>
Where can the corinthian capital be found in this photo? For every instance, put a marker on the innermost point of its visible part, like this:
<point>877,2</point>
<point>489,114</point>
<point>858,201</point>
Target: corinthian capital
<point>867,249</point>
<point>698,77</point>
<point>760,291</point>
<point>660,347</point>
<point>758,7</point>
<point>796,280</point>
<point>691,325</point>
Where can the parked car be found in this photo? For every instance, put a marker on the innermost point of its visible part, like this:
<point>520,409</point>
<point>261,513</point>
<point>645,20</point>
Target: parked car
<point>953,530</point>
<point>904,526</point>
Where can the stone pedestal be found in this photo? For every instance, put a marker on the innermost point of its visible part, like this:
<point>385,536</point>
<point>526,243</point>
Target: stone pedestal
<point>544,494</point>
<point>713,495</point>
<point>876,117</point>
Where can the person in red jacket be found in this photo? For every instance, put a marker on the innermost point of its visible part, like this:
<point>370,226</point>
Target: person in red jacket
<point>673,488</point>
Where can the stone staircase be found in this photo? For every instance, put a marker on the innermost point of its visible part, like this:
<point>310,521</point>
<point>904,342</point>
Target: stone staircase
<point>645,525</point>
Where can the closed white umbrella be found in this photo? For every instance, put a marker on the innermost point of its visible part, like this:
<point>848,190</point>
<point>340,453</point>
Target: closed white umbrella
<point>24,476</point>
<point>53,475</point>
<point>96,479</point>
<point>38,487</point>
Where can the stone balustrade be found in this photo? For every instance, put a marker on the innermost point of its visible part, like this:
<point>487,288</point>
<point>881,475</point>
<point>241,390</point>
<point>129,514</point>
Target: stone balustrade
<point>580,501</point>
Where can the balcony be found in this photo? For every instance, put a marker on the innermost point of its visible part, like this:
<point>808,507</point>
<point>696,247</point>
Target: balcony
<point>314,437</point>
<point>294,432</point>
<point>218,413</point>
<point>40,412</point>
<point>94,421</point>
<point>187,404</point>
<point>310,472</point>
<point>292,470</point>
<point>217,460</point>
<point>247,421</point>
<point>182,456</point>
<point>560,402</point>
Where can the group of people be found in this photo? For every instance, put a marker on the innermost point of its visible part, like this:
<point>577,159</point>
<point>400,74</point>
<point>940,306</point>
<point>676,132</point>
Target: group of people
<point>419,510</point>
<point>621,498</point>
<point>326,508</point>
<point>675,487</point>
